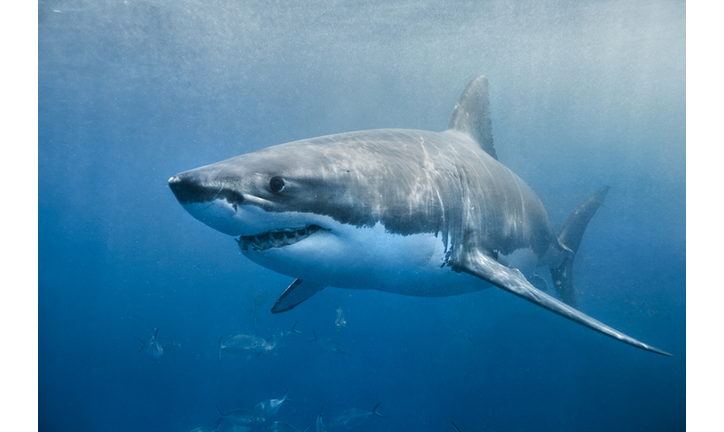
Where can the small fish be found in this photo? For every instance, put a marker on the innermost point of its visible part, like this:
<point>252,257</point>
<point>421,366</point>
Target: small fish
<point>320,423</point>
<point>270,407</point>
<point>153,347</point>
<point>353,417</point>
<point>241,417</point>
<point>243,344</point>
<point>205,429</point>
<point>168,344</point>
<point>277,340</point>
<point>280,426</point>
<point>329,344</point>
<point>340,322</point>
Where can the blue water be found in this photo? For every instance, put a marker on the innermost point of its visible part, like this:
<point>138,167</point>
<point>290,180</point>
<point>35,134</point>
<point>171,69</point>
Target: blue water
<point>583,94</point>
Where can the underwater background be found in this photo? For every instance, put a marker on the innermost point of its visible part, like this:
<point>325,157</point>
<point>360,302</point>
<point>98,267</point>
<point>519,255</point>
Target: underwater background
<point>583,94</point>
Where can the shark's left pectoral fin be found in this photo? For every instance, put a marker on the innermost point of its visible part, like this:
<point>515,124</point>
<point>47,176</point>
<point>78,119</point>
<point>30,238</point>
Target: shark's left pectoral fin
<point>296,293</point>
<point>480,265</point>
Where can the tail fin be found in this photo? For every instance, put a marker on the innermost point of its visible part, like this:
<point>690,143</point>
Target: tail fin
<point>221,416</point>
<point>294,329</point>
<point>374,410</point>
<point>320,422</point>
<point>143,345</point>
<point>570,234</point>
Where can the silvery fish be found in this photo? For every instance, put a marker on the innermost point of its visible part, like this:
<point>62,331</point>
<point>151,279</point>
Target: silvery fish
<point>205,429</point>
<point>329,344</point>
<point>277,340</point>
<point>340,322</point>
<point>153,347</point>
<point>353,416</point>
<point>270,407</point>
<point>168,344</point>
<point>241,417</point>
<point>320,423</point>
<point>243,344</point>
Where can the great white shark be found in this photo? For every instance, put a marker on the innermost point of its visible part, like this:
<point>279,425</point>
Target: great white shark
<point>402,211</point>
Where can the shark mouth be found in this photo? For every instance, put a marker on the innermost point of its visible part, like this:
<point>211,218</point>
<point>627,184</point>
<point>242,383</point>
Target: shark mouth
<point>276,238</point>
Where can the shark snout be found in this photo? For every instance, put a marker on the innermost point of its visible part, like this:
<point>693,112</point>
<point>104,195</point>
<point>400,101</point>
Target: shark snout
<point>189,189</point>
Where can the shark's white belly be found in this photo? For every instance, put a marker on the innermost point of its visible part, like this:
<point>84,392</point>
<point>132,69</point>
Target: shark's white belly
<point>345,256</point>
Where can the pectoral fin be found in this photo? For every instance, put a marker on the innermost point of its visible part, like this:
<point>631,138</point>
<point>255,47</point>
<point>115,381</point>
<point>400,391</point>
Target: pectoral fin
<point>296,293</point>
<point>478,264</point>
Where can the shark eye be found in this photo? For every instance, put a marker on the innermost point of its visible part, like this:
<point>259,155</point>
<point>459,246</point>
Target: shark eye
<point>276,184</point>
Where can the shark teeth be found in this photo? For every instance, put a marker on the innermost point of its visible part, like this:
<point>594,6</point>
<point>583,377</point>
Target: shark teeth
<point>276,238</point>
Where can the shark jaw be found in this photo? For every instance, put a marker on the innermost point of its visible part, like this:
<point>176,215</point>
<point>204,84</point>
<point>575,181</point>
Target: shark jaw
<point>276,238</point>
<point>259,232</point>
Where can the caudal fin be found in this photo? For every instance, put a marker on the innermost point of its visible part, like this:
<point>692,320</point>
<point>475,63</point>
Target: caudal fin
<point>294,329</point>
<point>143,345</point>
<point>374,410</point>
<point>569,235</point>
<point>221,416</point>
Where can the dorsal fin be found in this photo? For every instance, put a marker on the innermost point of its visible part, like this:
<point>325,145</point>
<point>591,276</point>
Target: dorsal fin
<point>471,115</point>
